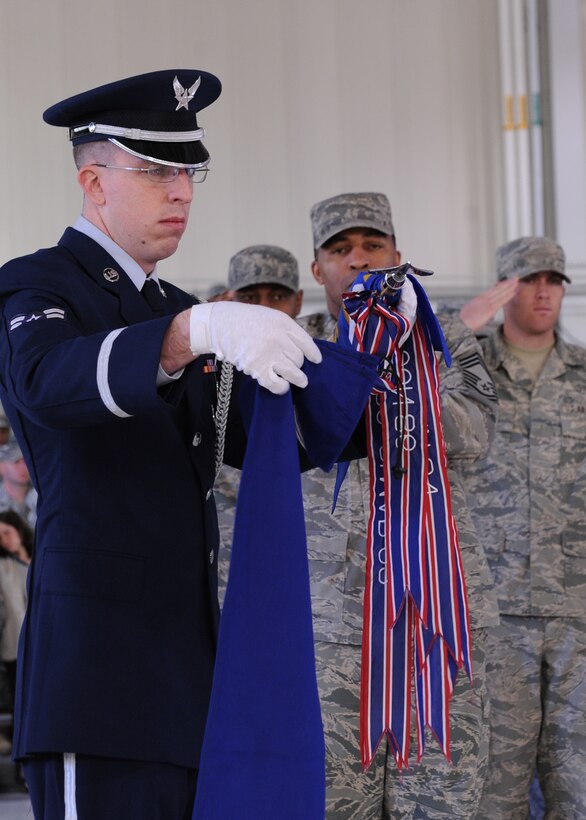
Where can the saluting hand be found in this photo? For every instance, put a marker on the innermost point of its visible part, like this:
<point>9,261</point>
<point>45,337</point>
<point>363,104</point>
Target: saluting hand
<point>480,310</point>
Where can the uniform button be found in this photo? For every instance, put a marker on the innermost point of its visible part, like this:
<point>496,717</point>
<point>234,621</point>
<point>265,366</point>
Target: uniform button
<point>211,556</point>
<point>209,494</point>
<point>196,440</point>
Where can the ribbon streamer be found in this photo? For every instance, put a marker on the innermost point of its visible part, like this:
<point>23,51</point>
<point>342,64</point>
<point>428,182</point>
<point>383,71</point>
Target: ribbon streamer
<point>416,632</point>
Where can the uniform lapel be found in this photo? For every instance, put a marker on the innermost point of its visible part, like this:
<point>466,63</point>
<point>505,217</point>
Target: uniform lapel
<point>108,275</point>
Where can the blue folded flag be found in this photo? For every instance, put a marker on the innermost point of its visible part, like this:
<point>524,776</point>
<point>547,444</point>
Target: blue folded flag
<point>263,754</point>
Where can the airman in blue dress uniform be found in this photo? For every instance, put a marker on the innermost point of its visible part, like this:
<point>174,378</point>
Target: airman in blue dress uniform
<point>112,401</point>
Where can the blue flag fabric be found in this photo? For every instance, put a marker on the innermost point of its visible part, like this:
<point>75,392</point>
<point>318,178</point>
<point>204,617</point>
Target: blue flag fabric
<point>263,754</point>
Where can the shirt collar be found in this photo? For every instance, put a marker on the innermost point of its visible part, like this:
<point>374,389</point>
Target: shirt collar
<point>126,262</point>
<point>500,356</point>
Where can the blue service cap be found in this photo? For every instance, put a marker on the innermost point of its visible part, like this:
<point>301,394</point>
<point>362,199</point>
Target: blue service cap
<point>152,116</point>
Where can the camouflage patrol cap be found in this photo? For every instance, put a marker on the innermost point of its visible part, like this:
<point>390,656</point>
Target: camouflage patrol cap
<point>216,290</point>
<point>347,211</point>
<point>530,254</point>
<point>263,265</point>
<point>10,452</point>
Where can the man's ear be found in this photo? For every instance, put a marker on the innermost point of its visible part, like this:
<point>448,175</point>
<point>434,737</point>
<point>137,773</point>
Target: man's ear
<point>316,272</point>
<point>298,303</point>
<point>91,184</point>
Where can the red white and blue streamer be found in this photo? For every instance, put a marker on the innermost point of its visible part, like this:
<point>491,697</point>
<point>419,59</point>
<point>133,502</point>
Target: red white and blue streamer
<point>416,632</point>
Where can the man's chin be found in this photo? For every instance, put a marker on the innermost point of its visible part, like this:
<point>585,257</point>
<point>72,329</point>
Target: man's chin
<point>167,248</point>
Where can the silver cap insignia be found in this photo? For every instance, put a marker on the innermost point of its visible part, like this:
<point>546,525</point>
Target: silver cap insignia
<point>184,95</point>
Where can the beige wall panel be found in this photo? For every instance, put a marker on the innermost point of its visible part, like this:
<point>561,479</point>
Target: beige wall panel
<point>320,97</point>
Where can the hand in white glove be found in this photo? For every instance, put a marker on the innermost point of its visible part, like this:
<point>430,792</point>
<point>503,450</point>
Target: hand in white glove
<point>262,342</point>
<point>407,307</point>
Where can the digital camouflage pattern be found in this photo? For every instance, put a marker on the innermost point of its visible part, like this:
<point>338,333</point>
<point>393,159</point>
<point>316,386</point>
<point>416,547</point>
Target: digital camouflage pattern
<point>530,254</point>
<point>528,499</point>
<point>533,720</point>
<point>528,495</point>
<point>469,412</point>
<point>226,496</point>
<point>432,789</point>
<point>263,265</point>
<point>347,211</point>
<point>337,549</point>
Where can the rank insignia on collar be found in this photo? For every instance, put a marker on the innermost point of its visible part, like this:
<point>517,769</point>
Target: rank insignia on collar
<point>184,95</point>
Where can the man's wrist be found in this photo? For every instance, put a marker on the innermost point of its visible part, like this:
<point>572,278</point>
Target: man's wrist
<point>175,351</point>
<point>199,328</point>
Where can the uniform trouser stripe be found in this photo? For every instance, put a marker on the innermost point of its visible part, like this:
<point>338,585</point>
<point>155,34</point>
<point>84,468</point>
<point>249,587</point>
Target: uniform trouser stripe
<point>69,786</point>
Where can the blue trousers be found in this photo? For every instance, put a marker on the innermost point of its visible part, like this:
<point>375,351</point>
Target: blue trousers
<point>78,787</point>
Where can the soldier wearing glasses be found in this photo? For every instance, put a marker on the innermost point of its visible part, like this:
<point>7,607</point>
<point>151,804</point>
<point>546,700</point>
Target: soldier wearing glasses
<point>111,392</point>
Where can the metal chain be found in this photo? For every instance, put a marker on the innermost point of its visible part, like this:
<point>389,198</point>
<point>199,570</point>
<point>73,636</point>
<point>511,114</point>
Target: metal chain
<point>221,415</point>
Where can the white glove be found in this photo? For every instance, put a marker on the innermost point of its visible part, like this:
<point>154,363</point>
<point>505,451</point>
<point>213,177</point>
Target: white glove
<point>262,342</point>
<point>407,307</point>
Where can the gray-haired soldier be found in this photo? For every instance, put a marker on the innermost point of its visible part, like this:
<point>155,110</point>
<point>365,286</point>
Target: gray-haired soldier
<point>529,499</point>
<point>266,275</point>
<point>351,233</point>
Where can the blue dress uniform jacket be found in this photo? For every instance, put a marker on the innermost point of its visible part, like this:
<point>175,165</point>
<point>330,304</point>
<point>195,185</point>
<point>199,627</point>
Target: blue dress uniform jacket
<point>118,645</point>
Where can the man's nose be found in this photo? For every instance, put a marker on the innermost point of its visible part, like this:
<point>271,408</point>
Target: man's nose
<point>181,188</point>
<point>265,300</point>
<point>358,259</point>
<point>542,288</point>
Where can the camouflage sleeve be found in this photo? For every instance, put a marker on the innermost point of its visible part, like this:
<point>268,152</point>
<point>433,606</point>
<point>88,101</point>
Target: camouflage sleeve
<point>469,400</point>
<point>225,495</point>
<point>469,408</point>
<point>574,531</point>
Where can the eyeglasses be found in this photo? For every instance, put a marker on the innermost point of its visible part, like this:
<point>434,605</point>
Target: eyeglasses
<point>162,173</point>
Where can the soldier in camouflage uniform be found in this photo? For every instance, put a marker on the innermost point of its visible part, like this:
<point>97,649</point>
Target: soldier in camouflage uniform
<point>258,275</point>
<point>529,499</point>
<point>352,233</point>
